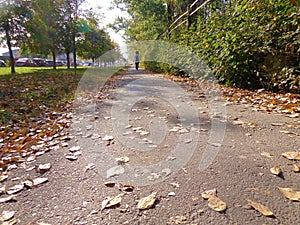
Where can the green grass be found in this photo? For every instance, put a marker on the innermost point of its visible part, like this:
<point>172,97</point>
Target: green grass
<point>32,70</point>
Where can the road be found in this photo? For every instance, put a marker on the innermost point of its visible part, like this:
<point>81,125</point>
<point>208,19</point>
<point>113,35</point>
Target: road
<point>178,139</point>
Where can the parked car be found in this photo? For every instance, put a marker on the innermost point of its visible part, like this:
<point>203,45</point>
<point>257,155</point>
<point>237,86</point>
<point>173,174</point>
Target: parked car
<point>2,63</point>
<point>49,62</point>
<point>24,62</point>
<point>39,61</point>
<point>59,63</point>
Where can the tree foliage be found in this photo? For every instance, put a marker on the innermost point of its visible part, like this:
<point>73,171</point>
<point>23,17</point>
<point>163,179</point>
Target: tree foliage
<point>249,44</point>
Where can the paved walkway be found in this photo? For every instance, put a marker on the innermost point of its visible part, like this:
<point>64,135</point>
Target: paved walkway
<point>151,133</point>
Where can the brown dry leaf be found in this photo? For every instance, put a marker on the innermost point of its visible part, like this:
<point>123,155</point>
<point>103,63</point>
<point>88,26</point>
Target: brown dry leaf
<point>15,189</point>
<point>110,184</point>
<point>290,193</point>
<point>42,168</point>
<point>7,215</point>
<point>216,204</point>
<point>178,219</point>
<point>260,208</point>
<point>291,155</point>
<point>276,170</point>
<point>10,222</point>
<point>208,194</point>
<point>110,202</point>
<point>296,168</point>
<point>39,180</point>
<point>126,187</point>
<point>147,202</point>
<point>7,199</point>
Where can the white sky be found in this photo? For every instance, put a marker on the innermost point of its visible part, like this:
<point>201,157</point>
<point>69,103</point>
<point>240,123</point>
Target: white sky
<point>108,17</point>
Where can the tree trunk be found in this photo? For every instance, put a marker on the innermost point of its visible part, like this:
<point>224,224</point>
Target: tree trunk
<point>11,55</point>
<point>54,60</point>
<point>68,59</point>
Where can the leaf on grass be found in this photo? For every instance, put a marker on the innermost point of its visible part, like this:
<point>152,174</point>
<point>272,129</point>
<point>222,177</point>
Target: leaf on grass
<point>216,204</point>
<point>7,215</point>
<point>291,155</point>
<point>260,208</point>
<point>147,202</point>
<point>290,193</point>
<point>208,194</point>
<point>276,170</point>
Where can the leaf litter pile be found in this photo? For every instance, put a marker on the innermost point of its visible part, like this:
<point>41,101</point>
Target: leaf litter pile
<point>35,109</point>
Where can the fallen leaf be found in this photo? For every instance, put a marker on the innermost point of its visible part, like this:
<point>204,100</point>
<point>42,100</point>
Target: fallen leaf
<point>71,157</point>
<point>267,154</point>
<point>28,183</point>
<point>277,124</point>
<point>290,193</point>
<point>209,193</point>
<point>175,185</point>
<point>10,222</point>
<point>3,177</point>
<point>296,168</point>
<point>178,219</point>
<point>260,208</point>
<point>110,202</point>
<point>7,215</point>
<point>42,168</point>
<point>107,138</point>
<point>291,155</point>
<point>124,159</point>
<point>7,199</point>
<point>126,187</point>
<point>74,148</point>
<point>147,202</point>
<point>216,204</point>
<point>15,189</point>
<point>110,184</point>
<point>276,170</point>
<point>39,180</point>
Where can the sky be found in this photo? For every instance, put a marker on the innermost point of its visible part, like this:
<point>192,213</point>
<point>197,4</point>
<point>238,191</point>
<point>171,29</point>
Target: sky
<point>108,17</point>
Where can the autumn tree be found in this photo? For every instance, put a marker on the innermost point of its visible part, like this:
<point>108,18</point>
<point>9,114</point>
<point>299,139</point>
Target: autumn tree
<point>13,17</point>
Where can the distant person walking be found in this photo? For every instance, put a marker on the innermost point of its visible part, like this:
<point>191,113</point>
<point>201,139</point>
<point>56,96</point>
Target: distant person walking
<point>137,60</point>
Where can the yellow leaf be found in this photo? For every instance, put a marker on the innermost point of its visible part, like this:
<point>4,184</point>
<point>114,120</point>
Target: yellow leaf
<point>292,155</point>
<point>260,208</point>
<point>216,204</point>
<point>290,193</point>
